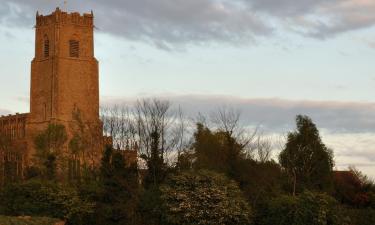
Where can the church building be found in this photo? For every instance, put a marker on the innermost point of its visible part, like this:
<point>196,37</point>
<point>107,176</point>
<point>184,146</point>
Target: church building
<point>64,90</point>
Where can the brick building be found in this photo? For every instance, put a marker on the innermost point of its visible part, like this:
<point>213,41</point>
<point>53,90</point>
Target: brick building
<point>64,90</point>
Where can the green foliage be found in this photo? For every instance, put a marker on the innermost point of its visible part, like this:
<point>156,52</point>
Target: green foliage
<point>364,216</point>
<point>49,146</point>
<point>259,181</point>
<point>221,152</point>
<point>150,207</point>
<point>5,220</point>
<point>306,159</point>
<point>307,208</point>
<point>347,186</point>
<point>51,140</point>
<point>204,198</point>
<point>216,183</point>
<point>118,195</point>
<point>36,198</point>
<point>217,151</point>
<point>157,168</point>
<point>76,145</point>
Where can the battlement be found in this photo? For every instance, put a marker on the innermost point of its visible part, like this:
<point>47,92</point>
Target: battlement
<point>61,17</point>
<point>13,126</point>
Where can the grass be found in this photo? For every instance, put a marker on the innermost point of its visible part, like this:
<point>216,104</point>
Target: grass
<point>6,220</point>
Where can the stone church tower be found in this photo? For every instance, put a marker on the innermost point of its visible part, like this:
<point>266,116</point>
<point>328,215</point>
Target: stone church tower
<point>64,72</point>
<point>65,91</point>
<point>64,75</point>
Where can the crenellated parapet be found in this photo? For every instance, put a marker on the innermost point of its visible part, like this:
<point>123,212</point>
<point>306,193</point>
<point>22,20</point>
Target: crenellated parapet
<point>14,126</point>
<point>58,16</point>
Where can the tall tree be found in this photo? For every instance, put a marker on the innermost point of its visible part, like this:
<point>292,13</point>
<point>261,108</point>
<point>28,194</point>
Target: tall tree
<point>306,159</point>
<point>217,151</point>
<point>153,120</point>
<point>118,196</point>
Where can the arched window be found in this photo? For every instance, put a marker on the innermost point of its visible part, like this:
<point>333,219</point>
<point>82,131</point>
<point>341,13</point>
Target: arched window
<point>74,48</point>
<point>46,47</point>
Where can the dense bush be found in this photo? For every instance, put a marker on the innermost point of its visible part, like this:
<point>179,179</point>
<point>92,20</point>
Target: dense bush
<point>307,208</point>
<point>364,216</point>
<point>117,196</point>
<point>36,198</point>
<point>5,220</point>
<point>204,198</point>
<point>150,207</point>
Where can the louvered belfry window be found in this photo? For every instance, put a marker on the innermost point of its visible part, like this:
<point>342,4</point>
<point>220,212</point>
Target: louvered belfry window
<point>46,48</point>
<point>74,48</point>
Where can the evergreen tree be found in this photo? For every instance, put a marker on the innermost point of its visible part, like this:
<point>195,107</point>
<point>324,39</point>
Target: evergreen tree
<point>306,159</point>
<point>157,169</point>
<point>217,151</point>
<point>118,197</point>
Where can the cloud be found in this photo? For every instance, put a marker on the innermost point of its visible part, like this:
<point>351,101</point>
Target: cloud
<point>345,16</point>
<point>163,23</point>
<point>320,18</point>
<point>278,114</point>
<point>353,149</point>
<point>372,45</point>
<point>170,23</point>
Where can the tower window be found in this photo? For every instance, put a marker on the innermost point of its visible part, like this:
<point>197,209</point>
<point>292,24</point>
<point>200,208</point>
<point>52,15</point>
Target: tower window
<point>46,48</point>
<point>74,48</point>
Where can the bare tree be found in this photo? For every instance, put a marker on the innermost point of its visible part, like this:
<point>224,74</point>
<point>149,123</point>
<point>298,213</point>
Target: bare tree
<point>228,121</point>
<point>263,148</point>
<point>158,130</point>
<point>119,123</point>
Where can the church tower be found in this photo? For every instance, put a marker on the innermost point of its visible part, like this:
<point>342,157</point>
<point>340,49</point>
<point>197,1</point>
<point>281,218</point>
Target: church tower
<point>64,91</point>
<point>64,73</point>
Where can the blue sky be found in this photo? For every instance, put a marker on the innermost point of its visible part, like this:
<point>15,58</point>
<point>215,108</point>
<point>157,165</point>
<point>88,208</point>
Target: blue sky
<point>272,59</point>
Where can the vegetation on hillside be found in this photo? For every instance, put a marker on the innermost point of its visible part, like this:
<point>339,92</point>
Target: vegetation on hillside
<point>215,172</point>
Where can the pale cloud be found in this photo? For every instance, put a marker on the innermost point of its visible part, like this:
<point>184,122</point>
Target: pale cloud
<point>371,43</point>
<point>163,23</point>
<point>277,114</point>
<point>353,149</point>
<point>345,16</point>
<point>170,23</point>
<point>320,18</point>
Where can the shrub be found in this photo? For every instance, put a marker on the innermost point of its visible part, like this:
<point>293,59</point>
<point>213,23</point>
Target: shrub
<point>307,208</point>
<point>36,198</point>
<point>364,216</point>
<point>4,220</point>
<point>203,198</point>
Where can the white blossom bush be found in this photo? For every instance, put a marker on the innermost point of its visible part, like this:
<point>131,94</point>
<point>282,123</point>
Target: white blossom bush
<point>204,198</point>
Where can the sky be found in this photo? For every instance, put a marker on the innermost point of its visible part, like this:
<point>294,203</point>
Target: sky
<point>271,59</point>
